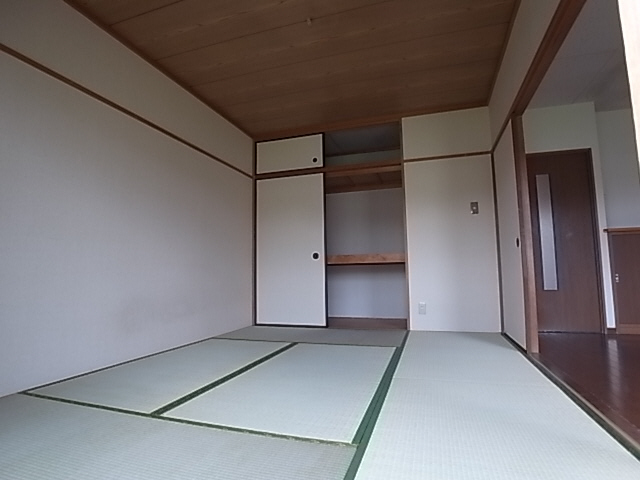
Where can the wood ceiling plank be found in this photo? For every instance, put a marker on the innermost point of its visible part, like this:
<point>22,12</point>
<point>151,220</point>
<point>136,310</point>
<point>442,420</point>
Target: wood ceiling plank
<point>263,133</point>
<point>300,120</point>
<point>428,81</point>
<point>394,60</point>
<point>109,12</point>
<point>193,24</point>
<point>335,35</point>
<point>359,62</point>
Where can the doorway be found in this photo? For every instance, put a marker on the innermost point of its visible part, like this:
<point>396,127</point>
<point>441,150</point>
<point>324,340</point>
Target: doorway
<point>565,242</point>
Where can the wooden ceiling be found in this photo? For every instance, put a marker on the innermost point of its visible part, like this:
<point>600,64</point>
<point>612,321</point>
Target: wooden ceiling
<point>279,68</point>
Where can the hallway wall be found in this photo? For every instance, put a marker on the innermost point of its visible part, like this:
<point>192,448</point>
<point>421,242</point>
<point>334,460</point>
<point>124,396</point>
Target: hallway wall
<point>528,30</point>
<point>571,127</point>
<point>620,168</point>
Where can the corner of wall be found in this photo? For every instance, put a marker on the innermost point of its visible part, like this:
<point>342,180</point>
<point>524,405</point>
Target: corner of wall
<point>87,55</point>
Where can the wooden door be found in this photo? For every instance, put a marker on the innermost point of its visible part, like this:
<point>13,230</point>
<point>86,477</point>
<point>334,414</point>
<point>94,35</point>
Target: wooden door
<point>290,252</point>
<point>625,260</point>
<point>566,254</point>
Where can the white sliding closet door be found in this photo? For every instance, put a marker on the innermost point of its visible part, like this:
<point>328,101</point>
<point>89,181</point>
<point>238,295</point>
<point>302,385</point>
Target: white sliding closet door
<point>290,251</point>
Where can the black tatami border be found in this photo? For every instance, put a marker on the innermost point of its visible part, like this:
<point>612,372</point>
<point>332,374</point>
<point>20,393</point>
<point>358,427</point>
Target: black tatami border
<point>358,443</point>
<point>365,430</point>
<point>182,421</point>
<point>196,393</point>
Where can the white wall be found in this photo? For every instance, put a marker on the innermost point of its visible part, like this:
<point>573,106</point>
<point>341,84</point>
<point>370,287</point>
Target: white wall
<point>531,23</point>
<point>366,222</point>
<point>513,310</point>
<point>115,240</point>
<point>449,133</point>
<point>620,174</point>
<point>573,127</point>
<point>55,35</point>
<point>452,258</point>
<point>630,21</point>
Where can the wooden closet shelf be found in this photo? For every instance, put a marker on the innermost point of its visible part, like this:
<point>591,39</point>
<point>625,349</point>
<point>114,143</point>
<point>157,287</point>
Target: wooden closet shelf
<point>362,169</point>
<point>355,178</point>
<point>367,259</point>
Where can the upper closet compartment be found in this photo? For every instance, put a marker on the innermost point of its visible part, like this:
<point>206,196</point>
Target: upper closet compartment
<point>363,159</point>
<point>365,232</point>
<point>289,154</point>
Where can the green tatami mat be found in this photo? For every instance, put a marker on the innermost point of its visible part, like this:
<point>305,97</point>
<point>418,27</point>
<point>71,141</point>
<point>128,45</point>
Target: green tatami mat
<point>470,357</point>
<point>150,383</point>
<point>336,336</point>
<point>488,418</point>
<point>312,391</point>
<point>49,440</point>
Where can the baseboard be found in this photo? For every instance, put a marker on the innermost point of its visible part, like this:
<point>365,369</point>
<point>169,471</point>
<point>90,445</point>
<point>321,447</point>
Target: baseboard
<point>628,329</point>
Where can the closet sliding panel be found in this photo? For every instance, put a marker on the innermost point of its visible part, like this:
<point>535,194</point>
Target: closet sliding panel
<point>290,265</point>
<point>289,154</point>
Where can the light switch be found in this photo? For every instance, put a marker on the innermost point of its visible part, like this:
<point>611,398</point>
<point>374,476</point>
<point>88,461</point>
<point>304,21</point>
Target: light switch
<point>474,208</point>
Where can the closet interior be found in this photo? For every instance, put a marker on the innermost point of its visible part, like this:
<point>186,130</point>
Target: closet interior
<point>365,228</point>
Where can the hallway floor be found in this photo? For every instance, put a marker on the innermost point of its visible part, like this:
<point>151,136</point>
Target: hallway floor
<point>603,369</point>
<point>311,404</point>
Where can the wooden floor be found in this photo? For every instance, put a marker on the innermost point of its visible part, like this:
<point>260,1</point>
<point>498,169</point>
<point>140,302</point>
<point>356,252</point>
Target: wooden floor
<point>604,370</point>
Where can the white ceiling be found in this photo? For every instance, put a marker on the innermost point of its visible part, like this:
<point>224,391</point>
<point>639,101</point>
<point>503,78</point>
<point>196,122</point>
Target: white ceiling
<point>590,65</point>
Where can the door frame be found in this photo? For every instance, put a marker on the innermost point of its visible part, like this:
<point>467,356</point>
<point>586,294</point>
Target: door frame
<point>559,27</point>
<point>621,328</point>
<point>595,231</point>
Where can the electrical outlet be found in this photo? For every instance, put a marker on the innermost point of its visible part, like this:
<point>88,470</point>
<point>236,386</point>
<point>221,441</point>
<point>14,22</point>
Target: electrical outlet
<point>422,308</point>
